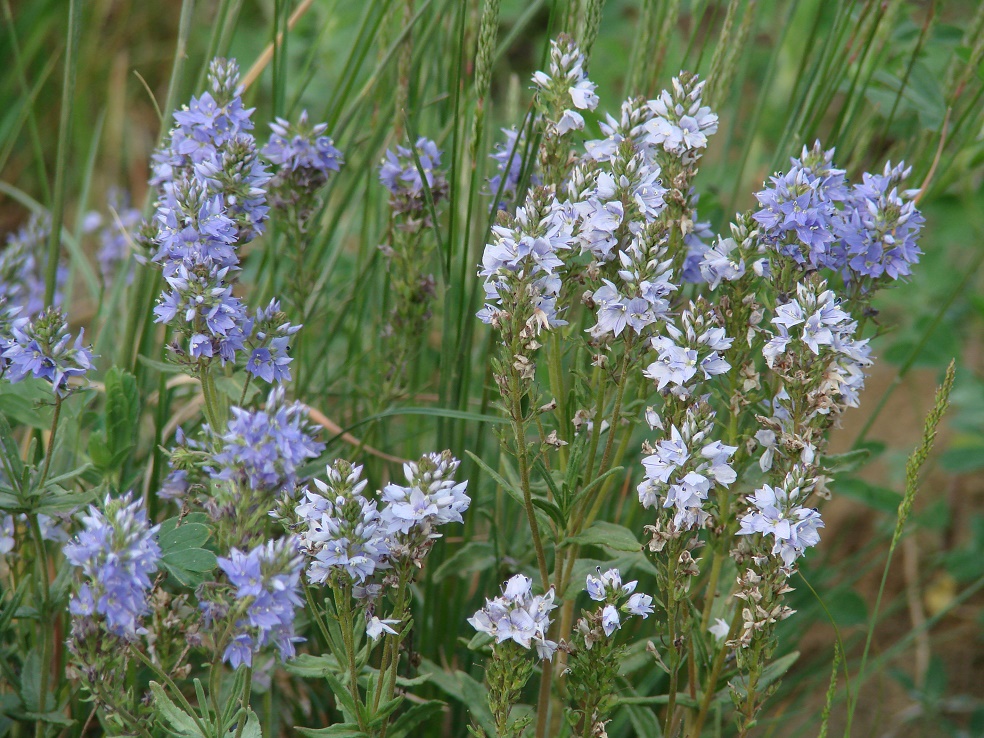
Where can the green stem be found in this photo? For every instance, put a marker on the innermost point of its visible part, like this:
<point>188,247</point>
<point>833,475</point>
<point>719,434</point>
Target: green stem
<point>343,603</point>
<point>400,613</point>
<point>172,686</point>
<point>64,142</point>
<point>712,679</point>
<point>51,441</point>
<point>519,430</point>
<point>46,636</point>
<point>247,689</point>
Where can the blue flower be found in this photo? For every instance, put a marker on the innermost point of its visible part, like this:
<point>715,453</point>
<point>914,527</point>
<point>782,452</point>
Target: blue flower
<point>117,552</point>
<point>431,497</point>
<point>518,616</point>
<point>340,529</point>
<point>264,449</point>
<point>295,146</point>
<point>266,583</point>
<point>879,228</point>
<point>683,469</point>
<point>42,348</point>
<point>510,159</point>
<point>778,512</point>
<point>22,263</point>
<point>268,334</point>
<point>400,175</point>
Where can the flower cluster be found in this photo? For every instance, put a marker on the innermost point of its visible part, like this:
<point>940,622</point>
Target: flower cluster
<point>22,263</point>
<point>779,512</point>
<point>798,212</point>
<point>268,334</point>
<point>266,584</point>
<point>43,348</point>
<point>680,122</point>
<point>304,156</point>
<point>867,232</point>
<point>117,552</point>
<point>518,616</point>
<point>116,233</point>
<point>682,470</point>
<point>405,179</point>
<point>619,196</point>
<point>509,158</point>
<point>212,200</point>
<point>297,146</point>
<point>264,449</point>
<point>211,142</point>
<point>607,587</point>
<point>340,528</point>
<point>430,498</point>
<point>565,88</point>
<point>642,297</point>
<point>682,351</point>
<point>879,227</point>
<point>522,265</point>
<point>820,325</point>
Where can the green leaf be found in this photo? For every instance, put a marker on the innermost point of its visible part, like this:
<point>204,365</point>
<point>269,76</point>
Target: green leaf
<point>307,665</point>
<point>160,365</point>
<point>252,727</point>
<point>232,387</point>
<point>472,557</point>
<point>417,714</point>
<point>10,449</point>
<point>339,730</point>
<point>28,402</point>
<point>964,458</point>
<point>846,462</point>
<point>879,498</point>
<point>602,533</point>
<point>772,673</point>
<point>180,721</point>
<point>30,686</point>
<point>188,535</point>
<point>191,559</point>
<point>122,413</point>
<point>383,712</point>
<point>539,503</point>
<point>55,717</point>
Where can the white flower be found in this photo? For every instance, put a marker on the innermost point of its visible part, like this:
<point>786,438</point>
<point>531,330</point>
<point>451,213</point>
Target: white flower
<point>376,627</point>
<point>720,629</point>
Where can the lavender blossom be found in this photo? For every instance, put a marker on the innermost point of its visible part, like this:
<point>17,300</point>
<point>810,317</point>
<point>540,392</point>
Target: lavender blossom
<point>521,265</point>
<point>509,159</point>
<point>680,471</point>
<point>301,146</point>
<point>268,334</point>
<point>41,348</point>
<point>340,529</point>
<point>116,232</point>
<point>431,497</point>
<point>681,123</point>
<point>266,584</point>
<point>518,616</point>
<point>264,449</point>
<point>799,211</point>
<point>565,88</point>
<point>777,512</point>
<point>682,352</point>
<point>117,552</point>
<point>879,227</point>
<point>22,265</point>
<point>400,175</point>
